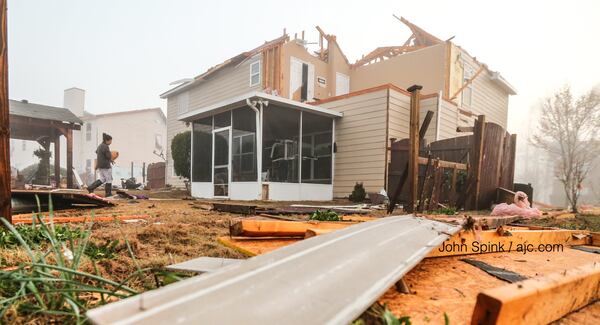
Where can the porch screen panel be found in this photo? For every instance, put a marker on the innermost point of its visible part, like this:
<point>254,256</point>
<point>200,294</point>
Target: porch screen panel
<point>202,150</point>
<point>316,148</point>
<point>243,146</point>
<point>281,132</point>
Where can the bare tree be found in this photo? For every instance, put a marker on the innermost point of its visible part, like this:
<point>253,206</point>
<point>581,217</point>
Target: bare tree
<point>568,131</point>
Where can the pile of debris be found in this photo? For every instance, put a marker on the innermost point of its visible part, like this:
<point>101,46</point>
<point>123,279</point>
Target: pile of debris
<point>406,262</point>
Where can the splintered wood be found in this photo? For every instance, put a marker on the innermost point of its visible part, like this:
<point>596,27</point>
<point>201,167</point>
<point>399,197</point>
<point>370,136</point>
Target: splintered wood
<point>269,228</point>
<point>540,300</point>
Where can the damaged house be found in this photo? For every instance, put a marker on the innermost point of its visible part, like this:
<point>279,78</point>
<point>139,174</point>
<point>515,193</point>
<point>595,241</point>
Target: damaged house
<point>281,122</point>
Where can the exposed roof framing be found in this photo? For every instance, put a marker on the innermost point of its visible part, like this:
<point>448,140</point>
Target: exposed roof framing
<point>417,40</point>
<point>331,39</point>
<point>419,36</point>
<point>327,279</point>
<point>382,53</point>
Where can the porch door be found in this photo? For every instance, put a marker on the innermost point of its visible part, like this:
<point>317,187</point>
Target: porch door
<point>221,163</point>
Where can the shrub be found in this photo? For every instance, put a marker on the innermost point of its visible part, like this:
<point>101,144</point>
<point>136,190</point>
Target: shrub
<point>181,151</point>
<point>325,216</point>
<point>358,194</point>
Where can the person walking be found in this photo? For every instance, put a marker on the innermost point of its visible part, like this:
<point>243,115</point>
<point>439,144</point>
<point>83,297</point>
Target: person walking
<point>104,161</point>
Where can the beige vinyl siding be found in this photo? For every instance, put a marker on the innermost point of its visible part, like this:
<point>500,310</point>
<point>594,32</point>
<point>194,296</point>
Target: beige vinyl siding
<point>487,98</point>
<point>360,137</point>
<point>448,120</point>
<point>429,104</point>
<point>229,82</point>
<point>399,119</point>
<point>174,127</point>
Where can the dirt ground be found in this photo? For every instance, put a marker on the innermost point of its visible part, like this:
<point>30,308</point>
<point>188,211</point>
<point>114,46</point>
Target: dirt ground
<point>175,230</point>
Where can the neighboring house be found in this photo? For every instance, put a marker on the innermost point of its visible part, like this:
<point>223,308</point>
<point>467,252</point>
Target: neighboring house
<point>370,94</point>
<point>138,135</point>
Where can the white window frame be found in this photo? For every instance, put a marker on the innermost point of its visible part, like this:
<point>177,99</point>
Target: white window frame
<point>468,73</point>
<point>158,141</point>
<point>88,132</point>
<point>259,74</point>
<point>342,77</point>
<point>183,102</point>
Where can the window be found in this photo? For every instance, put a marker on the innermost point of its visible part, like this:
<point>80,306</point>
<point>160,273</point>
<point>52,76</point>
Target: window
<point>467,93</point>
<point>183,102</point>
<point>202,150</point>
<point>342,84</point>
<point>243,148</point>
<point>316,148</point>
<point>158,142</point>
<point>88,132</point>
<point>281,130</point>
<point>254,73</point>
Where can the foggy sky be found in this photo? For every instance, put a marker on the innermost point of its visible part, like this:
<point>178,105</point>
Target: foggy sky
<point>125,53</point>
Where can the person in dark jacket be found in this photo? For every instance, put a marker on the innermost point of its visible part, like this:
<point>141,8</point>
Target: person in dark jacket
<point>104,163</point>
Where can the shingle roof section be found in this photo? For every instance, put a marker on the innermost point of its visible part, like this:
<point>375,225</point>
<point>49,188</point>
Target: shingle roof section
<point>25,109</point>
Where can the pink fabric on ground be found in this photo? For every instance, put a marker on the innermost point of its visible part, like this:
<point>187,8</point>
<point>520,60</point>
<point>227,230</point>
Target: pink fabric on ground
<point>519,208</point>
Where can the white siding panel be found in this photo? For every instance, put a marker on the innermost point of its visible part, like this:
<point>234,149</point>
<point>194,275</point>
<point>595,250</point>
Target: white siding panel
<point>487,98</point>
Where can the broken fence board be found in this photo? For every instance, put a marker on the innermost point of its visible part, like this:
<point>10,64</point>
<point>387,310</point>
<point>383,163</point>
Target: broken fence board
<point>539,300</point>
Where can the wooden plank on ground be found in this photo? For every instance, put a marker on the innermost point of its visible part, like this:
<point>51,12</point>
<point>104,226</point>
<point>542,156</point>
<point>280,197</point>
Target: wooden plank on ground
<point>275,228</point>
<point>127,218</point>
<point>539,300</point>
<point>234,208</point>
<point>203,264</point>
<point>595,239</point>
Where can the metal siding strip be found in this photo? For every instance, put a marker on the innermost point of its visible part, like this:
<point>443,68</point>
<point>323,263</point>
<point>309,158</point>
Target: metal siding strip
<point>302,283</point>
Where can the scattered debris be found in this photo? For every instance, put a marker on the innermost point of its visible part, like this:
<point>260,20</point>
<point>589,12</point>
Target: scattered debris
<point>500,273</point>
<point>27,201</point>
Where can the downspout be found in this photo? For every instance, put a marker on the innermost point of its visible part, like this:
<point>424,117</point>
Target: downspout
<point>259,122</point>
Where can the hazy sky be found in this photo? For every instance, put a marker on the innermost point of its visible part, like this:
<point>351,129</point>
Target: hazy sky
<point>125,53</point>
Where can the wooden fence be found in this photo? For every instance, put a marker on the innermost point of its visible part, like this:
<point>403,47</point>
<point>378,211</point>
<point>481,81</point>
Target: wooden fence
<point>156,175</point>
<point>463,171</point>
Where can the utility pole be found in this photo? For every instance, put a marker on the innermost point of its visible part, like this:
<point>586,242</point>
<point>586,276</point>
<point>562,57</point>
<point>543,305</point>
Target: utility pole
<point>5,171</point>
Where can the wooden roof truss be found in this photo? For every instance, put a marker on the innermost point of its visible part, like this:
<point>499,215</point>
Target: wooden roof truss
<point>417,40</point>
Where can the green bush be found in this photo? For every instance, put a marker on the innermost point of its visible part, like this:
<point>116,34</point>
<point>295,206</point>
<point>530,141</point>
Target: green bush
<point>325,216</point>
<point>181,151</point>
<point>358,194</point>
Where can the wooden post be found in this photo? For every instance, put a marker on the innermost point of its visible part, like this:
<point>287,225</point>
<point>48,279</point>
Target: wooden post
<point>69,137</point>
<point>413,151</point>
<point>437,185</point>
<point>132,169</point>
<point>424,183</point>
<point>476,160</point>
<point>453,197</point>
<point>144,173</point>
<point>5,171</point>
<point>57,159</point>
